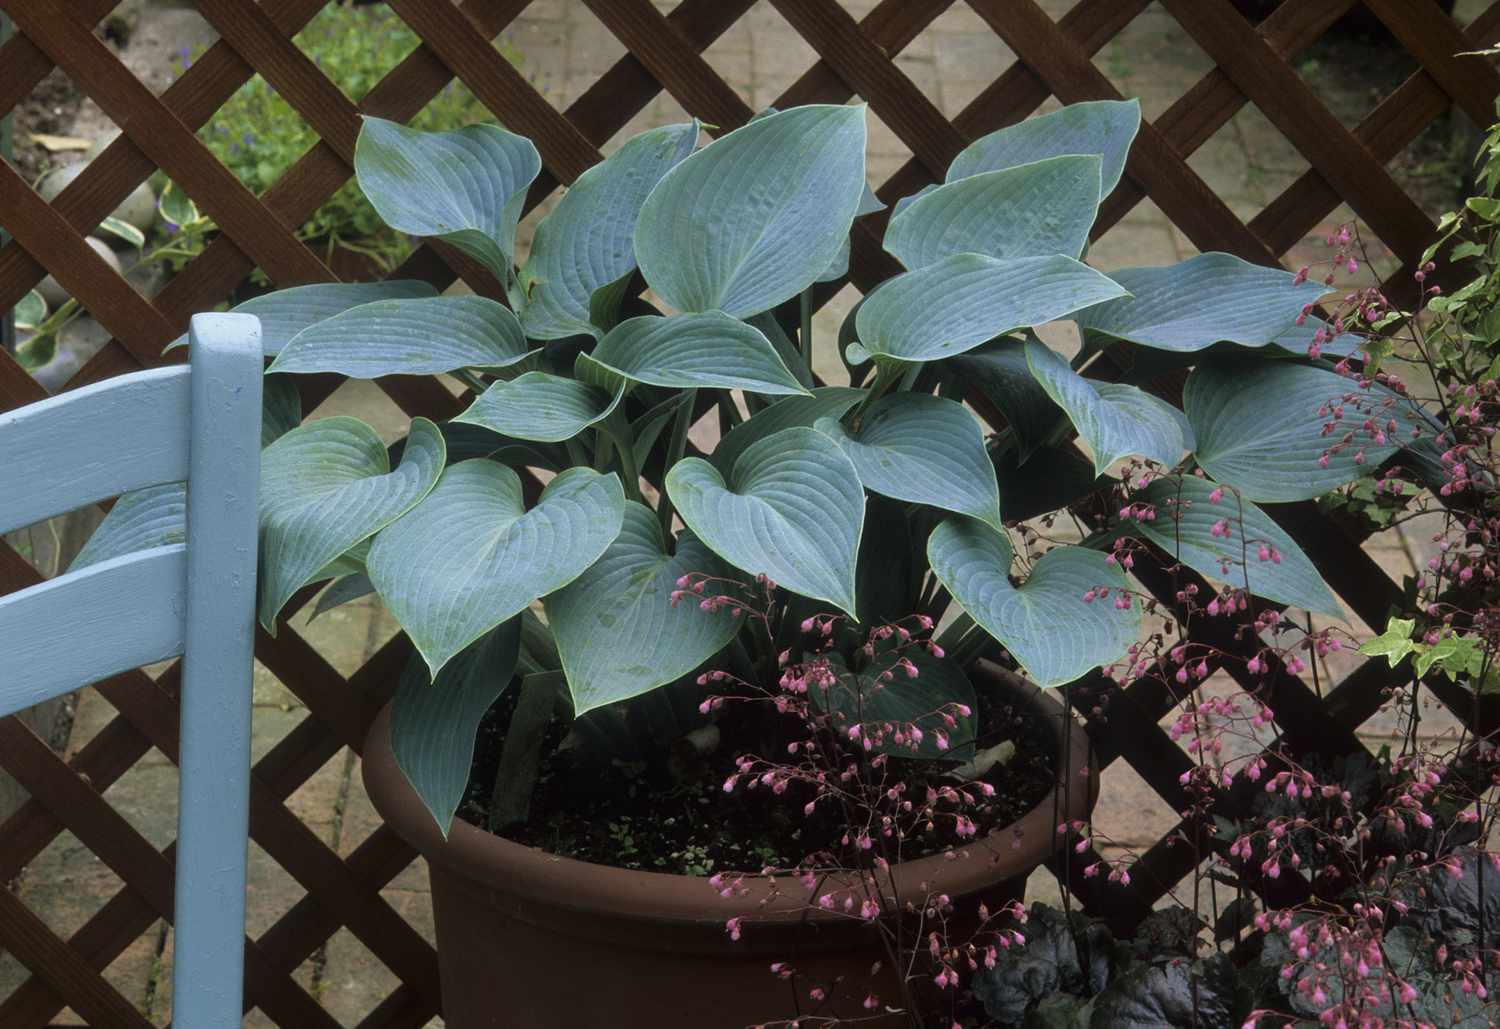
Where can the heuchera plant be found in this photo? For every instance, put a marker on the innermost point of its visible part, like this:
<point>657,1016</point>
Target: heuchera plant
<point>545,529</point>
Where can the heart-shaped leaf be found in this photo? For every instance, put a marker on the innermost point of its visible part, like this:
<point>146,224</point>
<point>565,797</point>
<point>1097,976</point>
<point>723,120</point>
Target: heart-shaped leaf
<point>541,407</point>
<point>961,301</point>
<point>616,629</point>
<point>1053,478</point>
<point>433,724</point>
<point>341,591</point>
<point>884,693</point>
<point>869,203</point>
<point>1279,431</point>
<point>325,487</point>
<point>1184,527</point>
<point>588,241</point>
<point>1204,300</point>
<point>287,312</point>
<point>464,187</point>
<point>1033,210</point>
<point>1115,420</point>
<point>1045,623</point>
<point>793,509</point>
<point>687,351</point>
<point>999,370</point>
<point>470,555</point>
<point>408,337</point>
<point>823,402</point>
<point>152,517</point>
<point>923,449</point>
<point>1103,127</point>
<point>756,216</point>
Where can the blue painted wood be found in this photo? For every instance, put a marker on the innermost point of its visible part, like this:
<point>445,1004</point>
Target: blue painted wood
<point>214,813</point>
<point>85,626</point>
<point>113,437</point>
<point>200,423</point>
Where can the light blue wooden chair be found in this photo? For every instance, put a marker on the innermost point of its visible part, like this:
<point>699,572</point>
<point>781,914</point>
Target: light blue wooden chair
<point>200,423</point>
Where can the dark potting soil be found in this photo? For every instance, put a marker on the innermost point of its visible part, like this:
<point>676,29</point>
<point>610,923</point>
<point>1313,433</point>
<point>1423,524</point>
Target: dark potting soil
<point>677,818</point>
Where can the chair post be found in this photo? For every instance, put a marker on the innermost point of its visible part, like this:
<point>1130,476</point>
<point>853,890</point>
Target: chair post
<point>214,761</point>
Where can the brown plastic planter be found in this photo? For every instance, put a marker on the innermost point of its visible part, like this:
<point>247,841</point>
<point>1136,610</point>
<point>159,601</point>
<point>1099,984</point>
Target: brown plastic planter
<point>528,940</point>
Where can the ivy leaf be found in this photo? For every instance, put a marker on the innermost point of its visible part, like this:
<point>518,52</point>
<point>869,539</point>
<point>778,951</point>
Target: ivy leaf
<point>687,351</point>
<point>325,487</point>
<point>973,561</point>
<point>540,407</point>
<point>922,449</point>
<point>587,243</point>
<point>424,336</point>
<point>1393,644</point>
<point>287,312</point>
<point>470,555</point>
<point>616,629</point>
<point>792,509</point>
<point>464,187</point>
<point>756,216</point>
<point>433,724</point>
<point>1455,655</point>
<point>30,311</point>
<point>1103,127</point>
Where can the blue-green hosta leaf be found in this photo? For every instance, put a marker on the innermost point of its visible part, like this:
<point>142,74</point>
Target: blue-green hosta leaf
<point>344,590</point>
<point>961,301</point>
<point>1028,211</point>
<point>287,312</point>
<point>541,407</point>
<point>869,203</point>
<point>1263,427</point>
<point>281,409</point>
<point>408,337</point>
<point>686,351</point>
<point>1045,622</point>
<point>1000,372</point>
<point>793,509</point>
<point>152,517</point>
<point>1183,527</point>
<point>327,486</point>
<point>823,402</point>
<point>470,555</point>
<point>1103,127</point>
<point>464,187</point>
<point>433,724</point>
<point>587,242</point>
<point>1204,300</point>
<point>757,215</point>
<point>618,633</point>
<point>923,449</point>
<point>1116,421</point>
<point>940,685</point>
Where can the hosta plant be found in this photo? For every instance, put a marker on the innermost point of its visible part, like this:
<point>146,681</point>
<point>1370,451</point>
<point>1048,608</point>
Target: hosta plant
<point>650,420</point>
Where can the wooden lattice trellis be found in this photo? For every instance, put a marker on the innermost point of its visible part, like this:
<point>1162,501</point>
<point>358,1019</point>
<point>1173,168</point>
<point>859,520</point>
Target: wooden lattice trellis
<point>857,58</point>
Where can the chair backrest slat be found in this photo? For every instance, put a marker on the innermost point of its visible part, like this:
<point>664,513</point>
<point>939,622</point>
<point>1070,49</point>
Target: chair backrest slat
<point>87,625</point>
<point>113,436</point>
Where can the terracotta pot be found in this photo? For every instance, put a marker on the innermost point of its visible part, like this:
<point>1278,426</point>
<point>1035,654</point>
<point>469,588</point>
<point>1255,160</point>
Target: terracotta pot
<point>528,940</point>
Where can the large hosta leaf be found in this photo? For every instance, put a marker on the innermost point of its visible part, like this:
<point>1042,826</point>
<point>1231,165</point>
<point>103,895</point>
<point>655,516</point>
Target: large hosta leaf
<point>1115,420</point>
<point>1029,211</point>
<point>281,408</point>
<point>960,302</point>
<point>408,337</point>
<point>756,216</point>
<point>588,241</point>
<point>1045,622</point>
<point>1184,528</point>
<point>1204,300</point>
<point>327,486</point>
<point>999,370</point>
<point>433,724</point>
<point>793,509</point>
<point>824,402</point>
<point>923,449</point>
<point>464,187</point>
<point>541,407</point>
<point>1103,127</point>
<point>686,351</point>
<point>1280,431</point>
<point>287,312</point>
<point>152,517</point>
<point>940,685</point>
<point>618,633</point>
<point>471,556</point>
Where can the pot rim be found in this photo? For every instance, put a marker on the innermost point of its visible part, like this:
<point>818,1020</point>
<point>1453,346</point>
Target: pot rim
<point>540,877</point>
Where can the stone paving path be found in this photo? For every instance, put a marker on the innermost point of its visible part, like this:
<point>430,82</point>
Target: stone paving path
<point>564,48</point>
